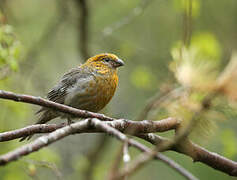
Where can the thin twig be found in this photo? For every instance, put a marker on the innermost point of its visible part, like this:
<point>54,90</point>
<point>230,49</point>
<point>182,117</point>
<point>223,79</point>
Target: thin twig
<point>156,100</point>
<point>49,165</point>
<point>49,32</point>
<point>94,155</point>
<point>128,19</point>
<point>126,157</point>
<point>187,23</point>
<point>83,28</point>
<point>115,166</point>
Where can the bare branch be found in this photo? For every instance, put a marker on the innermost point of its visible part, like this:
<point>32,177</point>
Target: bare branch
<point>126,156</point>
<point>115,166</point>
<point>49,32</point>
<point>79,127</point>
<point>181,135</point>
<point>100,125</point>
<point>50,104</point>
<point>43,141</point>
<point>139,128</point>
<point>29,130</point>
<point>187,23</point>
<point>158,99</point>
<point>127,19</point>
<point>83,28</point>
<point>122,125</point>
<point>53,167</point>
<point>94,155</point>
<point>197,153</point>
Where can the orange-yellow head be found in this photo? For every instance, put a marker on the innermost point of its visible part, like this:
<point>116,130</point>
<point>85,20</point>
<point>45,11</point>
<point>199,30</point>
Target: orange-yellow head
<point>105,60</point>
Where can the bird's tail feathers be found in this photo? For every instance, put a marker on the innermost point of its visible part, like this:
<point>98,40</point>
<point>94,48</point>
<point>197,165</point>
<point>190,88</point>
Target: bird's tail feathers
<point>46,116</point>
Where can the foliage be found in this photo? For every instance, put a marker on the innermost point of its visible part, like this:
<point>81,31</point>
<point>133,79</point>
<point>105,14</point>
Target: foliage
<point>10,48</point>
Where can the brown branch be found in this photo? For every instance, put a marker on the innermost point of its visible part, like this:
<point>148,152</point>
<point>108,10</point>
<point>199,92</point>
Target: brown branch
<point>108,129</point>
<point>50,104</point>
<point>79,127</point>
<point>43,141</point>
<point>29,130</point>
<point>115,166</point>
<point>3,9</point>
<point>192,150</point>
<point>197,153</point>
<point>83,28</point>
<point>182,133</point>
<point>49,31</point>
<point>122,125</point>
<point>187,23</point>
<point>94,155</point>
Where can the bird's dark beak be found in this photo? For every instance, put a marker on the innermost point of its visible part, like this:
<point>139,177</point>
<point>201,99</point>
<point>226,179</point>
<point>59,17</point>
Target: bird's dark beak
<point>119,63</point>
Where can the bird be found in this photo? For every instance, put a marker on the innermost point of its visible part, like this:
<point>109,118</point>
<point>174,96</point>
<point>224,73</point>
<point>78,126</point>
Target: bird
<point>89,86</point>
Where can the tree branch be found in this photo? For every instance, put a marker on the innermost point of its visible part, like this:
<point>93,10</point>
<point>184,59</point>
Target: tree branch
<point>110,126</point>
<point>197,153</point>
<point>122,125</point>
<point>83,28</point>
<point>43,141</point>
<point>127,19</point>
<point>29,130</point>
<point>50,104</point>
<point>181,135</point>
<point>79,127</point>
<point>157,99</point>
<point>100,125</point>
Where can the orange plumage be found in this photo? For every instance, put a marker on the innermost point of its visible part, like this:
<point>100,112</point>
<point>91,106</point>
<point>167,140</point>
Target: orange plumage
<point>89,86</point>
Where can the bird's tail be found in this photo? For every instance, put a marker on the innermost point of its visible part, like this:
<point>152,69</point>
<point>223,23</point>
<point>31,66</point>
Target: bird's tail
<point>46,116</point>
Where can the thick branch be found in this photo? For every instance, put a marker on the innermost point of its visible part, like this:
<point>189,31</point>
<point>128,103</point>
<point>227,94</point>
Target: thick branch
<point>122,125</point>
<point>180,136</point>
<point>50,104</point>
<point>100,125</point>
<point>194,151</point>
<point>79,127</point>
<point>43,141</point>
<point>197,153</point>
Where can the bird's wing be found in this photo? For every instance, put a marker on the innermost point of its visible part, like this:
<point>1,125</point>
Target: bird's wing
<point>60,91</point>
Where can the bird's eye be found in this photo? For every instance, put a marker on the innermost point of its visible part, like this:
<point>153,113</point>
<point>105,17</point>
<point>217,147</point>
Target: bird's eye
<point>106,59</point>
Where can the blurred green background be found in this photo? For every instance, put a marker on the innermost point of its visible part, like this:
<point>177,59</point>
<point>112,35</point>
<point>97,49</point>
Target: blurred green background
<point>40,40</point>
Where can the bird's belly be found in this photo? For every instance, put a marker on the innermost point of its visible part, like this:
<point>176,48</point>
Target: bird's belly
<point>93,98</point>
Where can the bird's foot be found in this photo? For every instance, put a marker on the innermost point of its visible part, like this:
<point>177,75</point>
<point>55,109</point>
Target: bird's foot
<point>69,121</point>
